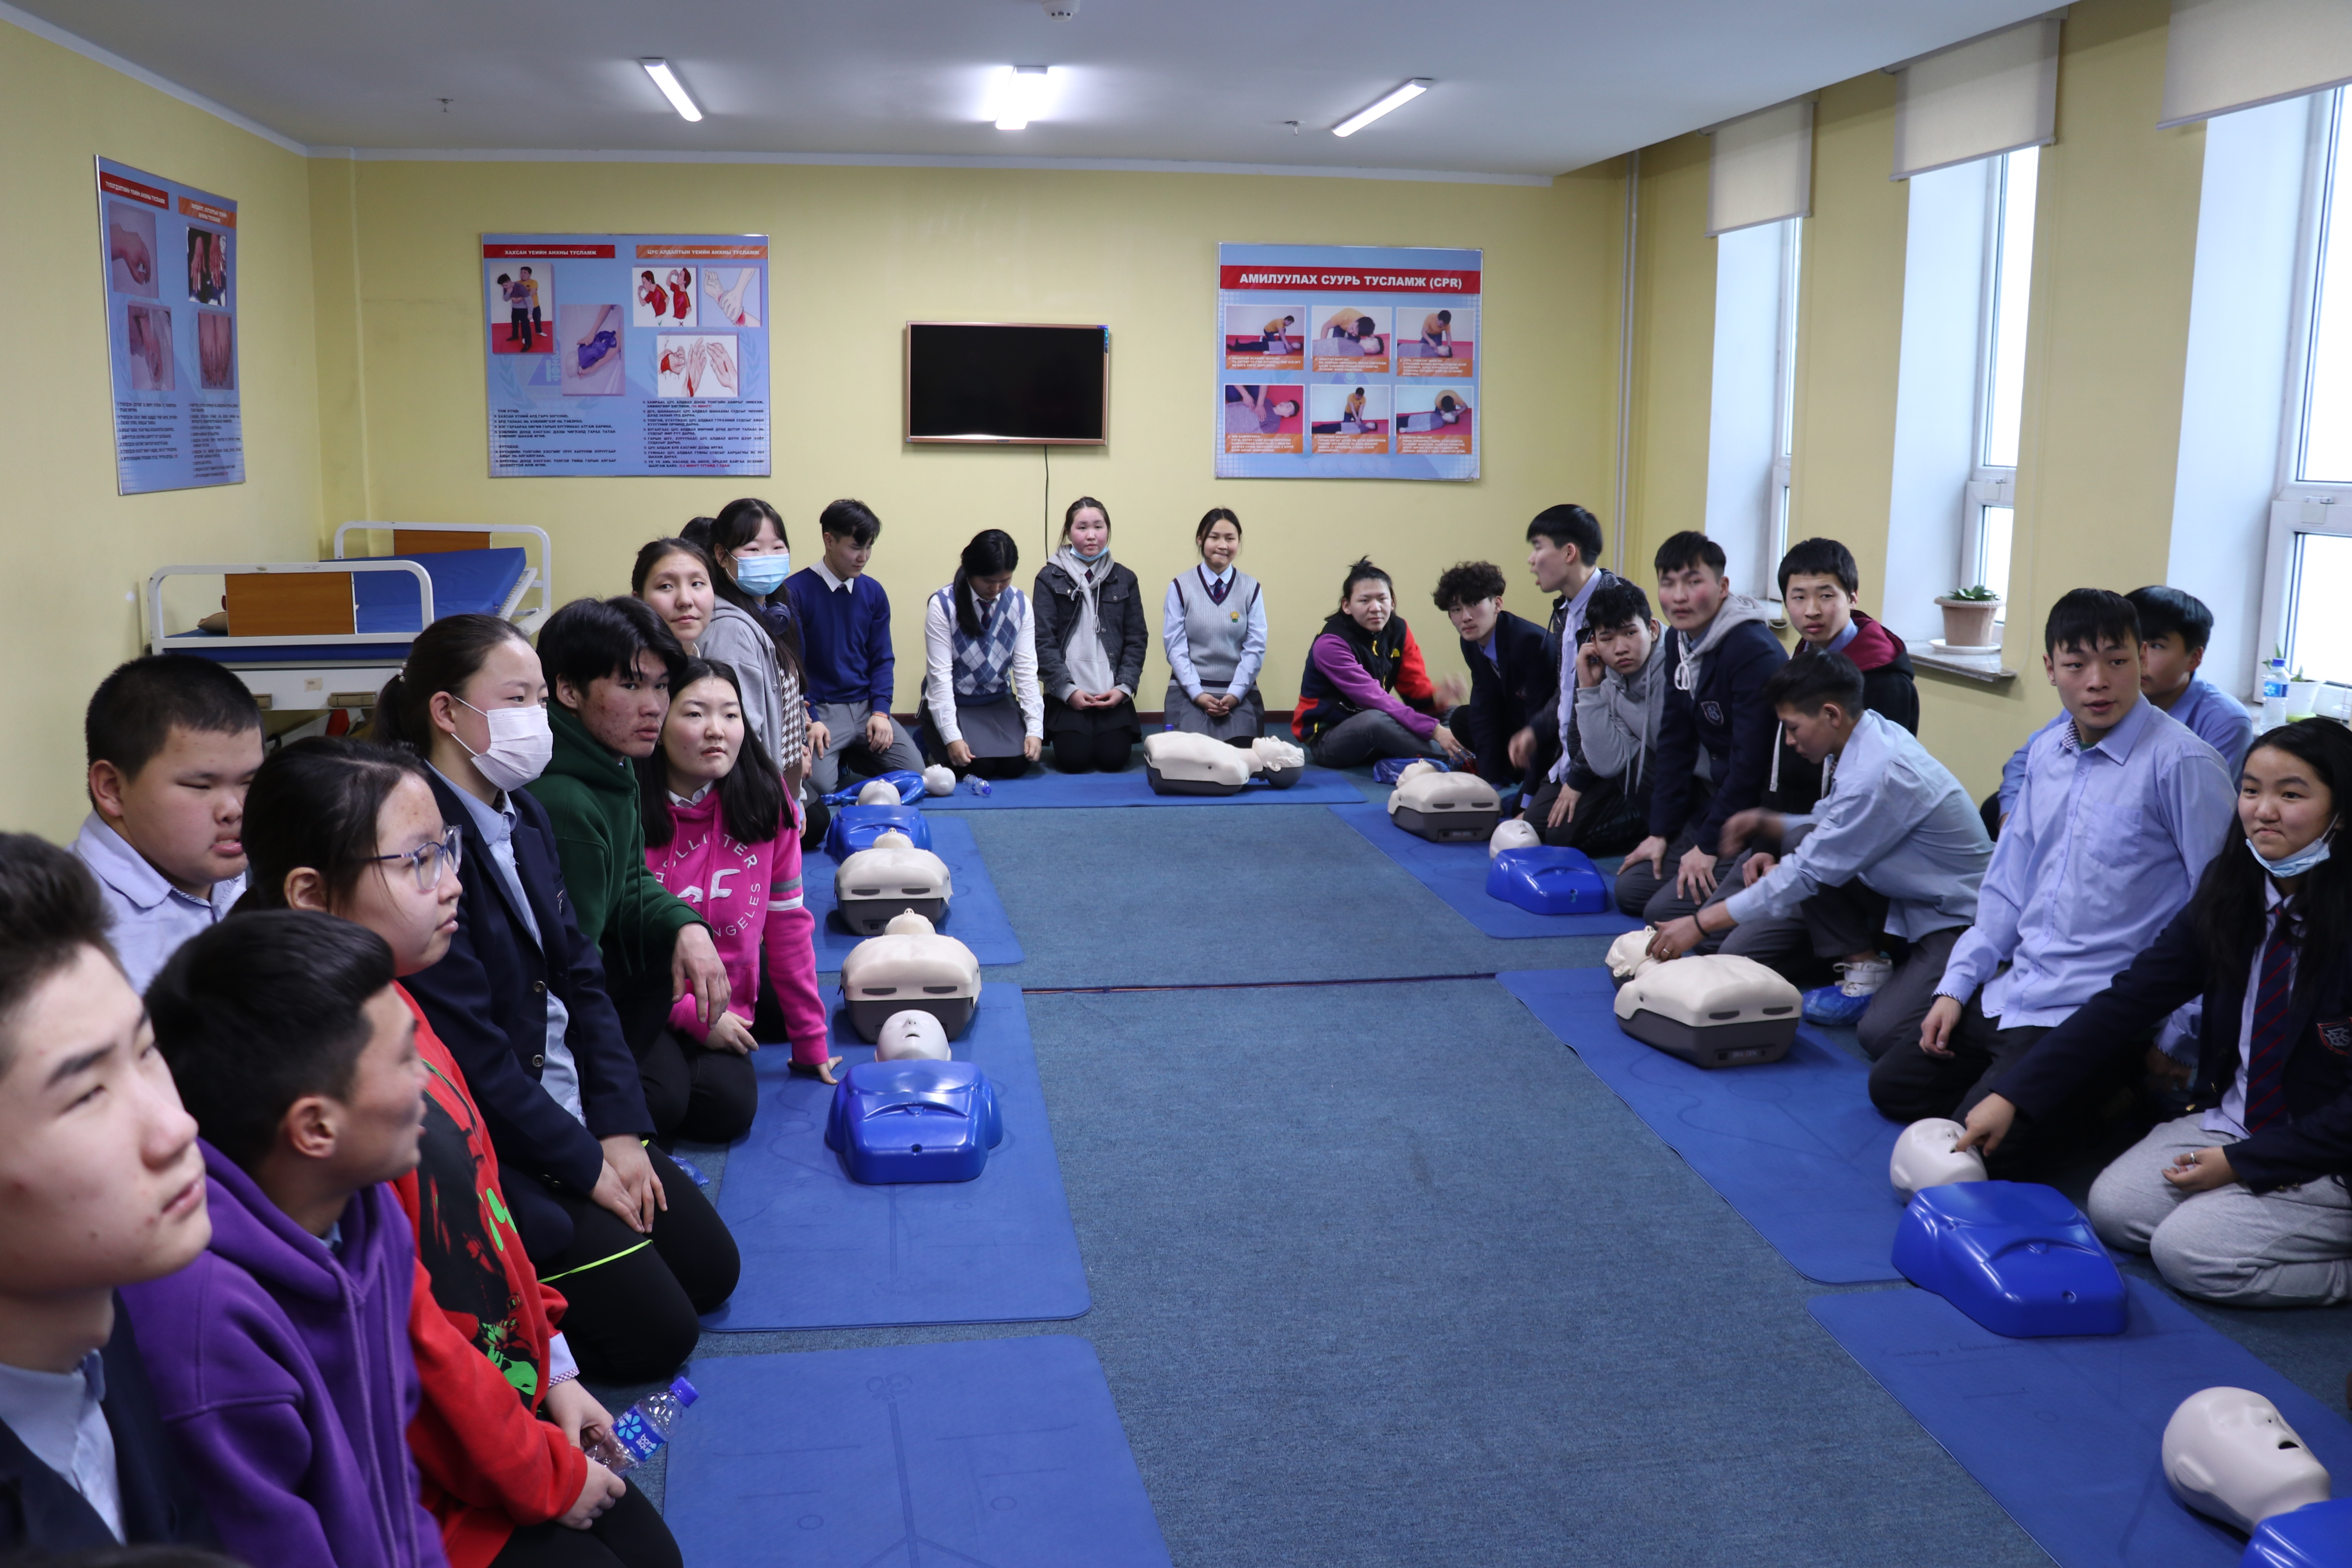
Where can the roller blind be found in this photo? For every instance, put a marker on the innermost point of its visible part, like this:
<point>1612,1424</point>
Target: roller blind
<point>1990,95</point>
<point>1762,168</point>
<point>2234,54</point>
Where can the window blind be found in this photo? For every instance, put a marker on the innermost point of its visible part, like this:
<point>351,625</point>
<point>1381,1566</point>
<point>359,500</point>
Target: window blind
<point>2224,55</point>
<point>1987,96</point>
<point>1762,168</point>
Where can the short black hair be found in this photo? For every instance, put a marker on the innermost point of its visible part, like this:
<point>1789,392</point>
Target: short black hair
<point>2083,618</point>
<point>1821,558</point>
<point>852,519</point>
<point>1812,680</point>
<point>132,712</point>
<point>2169,612</point>
<point>1615,604</point>
<point>1687,549</point>
<point>260,1010</point>
<point>1569,523</point>
<point>50,909</point>
<point>1467,582</point>
<point>590,640</point>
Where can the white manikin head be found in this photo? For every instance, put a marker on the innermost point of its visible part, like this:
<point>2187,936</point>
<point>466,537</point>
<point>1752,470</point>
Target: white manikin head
<point>1413,771</point>
<point>911,1036</point>
<point>891,839</point>
<point>2230,1454</point>
<point>1923,1157</point>
<point>939,779</point>
<point>1512,833</point>
<point>910,924</point>
<point>879,792</point>
<point>1628,955</point>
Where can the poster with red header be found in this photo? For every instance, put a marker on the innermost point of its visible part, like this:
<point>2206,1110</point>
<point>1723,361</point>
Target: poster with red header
<point>1347,362</point>
<point>169,252</point>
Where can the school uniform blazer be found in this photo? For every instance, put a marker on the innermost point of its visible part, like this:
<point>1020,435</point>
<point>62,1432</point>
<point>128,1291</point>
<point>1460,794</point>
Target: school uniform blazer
<point>2315,1139</point>
<point>488,1001</point>
<point>1506,693</point>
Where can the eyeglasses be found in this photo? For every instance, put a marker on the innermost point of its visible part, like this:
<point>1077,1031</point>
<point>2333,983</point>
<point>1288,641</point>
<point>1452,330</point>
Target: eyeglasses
<point>430,860</point>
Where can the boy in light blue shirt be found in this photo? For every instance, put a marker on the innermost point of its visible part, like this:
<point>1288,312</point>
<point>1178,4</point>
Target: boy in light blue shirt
<point>2119,810</point>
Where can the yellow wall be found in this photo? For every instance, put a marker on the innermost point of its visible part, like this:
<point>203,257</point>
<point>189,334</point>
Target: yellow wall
<point>74,553</point>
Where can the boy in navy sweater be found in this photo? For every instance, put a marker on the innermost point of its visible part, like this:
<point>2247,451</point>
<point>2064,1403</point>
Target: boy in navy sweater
<point>845,633</point>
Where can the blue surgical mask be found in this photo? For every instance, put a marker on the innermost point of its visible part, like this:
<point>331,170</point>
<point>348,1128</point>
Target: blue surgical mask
<point>1090,560</point>
<point>763,574</point>
<point>2302,860</point>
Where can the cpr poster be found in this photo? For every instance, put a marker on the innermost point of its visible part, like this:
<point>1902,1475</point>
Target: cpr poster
<point>170,257</point>
<point>1347,362</point>
<point>625,354</point>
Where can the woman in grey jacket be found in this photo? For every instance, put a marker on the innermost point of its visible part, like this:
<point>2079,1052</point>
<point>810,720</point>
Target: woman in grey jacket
<point>1090,642</point>
<point>706,610</point>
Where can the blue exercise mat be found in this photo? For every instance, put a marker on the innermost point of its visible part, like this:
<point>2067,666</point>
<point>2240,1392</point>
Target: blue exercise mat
<point>1457,874</point>
<point>2067,1434</point>
<point>1795,1145</point>
<point>977,1453</point>
<point>821,1251</point>
<point>976,916</point>
<point>1316,786</point>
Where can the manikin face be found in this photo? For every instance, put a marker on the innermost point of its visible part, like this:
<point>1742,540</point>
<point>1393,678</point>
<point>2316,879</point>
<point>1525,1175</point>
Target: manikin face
<point>1370,603</point>
<point>2282,804</point>
<point>2229,1453</point>
<point>911,1036</point>
<point>2167,664</point>
<point>1220,545</point>
<point>1691,595</point>
<point>1474,623</point>
<point>624,711</point>
<point>1818,606</point>
<point>185,812</point>
<point>1625,648</point>
<point>1816,735</point>
<point>703,736</point>
<point>416,922</point>
<point>101,1180</point>
<point>2097,687</point>
<point>1925,1157</point>
<point>679,591</point>
<point>1088,532</point>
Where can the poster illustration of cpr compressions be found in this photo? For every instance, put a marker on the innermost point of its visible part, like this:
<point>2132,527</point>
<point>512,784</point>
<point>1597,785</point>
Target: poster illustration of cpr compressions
<point>1347,362</point>
<point>626,354</point>
<point>169,252</point>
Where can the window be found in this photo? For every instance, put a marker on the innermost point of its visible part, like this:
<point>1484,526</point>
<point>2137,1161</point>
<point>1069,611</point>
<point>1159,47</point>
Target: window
<point>2001,374</point>
<point>1751,421</point>
<point>1784,394</point>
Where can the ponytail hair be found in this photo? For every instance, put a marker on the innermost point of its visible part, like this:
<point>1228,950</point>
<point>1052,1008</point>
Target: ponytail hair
<point>444,657</point>
<point>990,554</point>
<point>752,796</point>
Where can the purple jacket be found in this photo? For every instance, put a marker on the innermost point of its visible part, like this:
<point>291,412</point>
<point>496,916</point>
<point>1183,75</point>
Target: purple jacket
<point>285,1379</point>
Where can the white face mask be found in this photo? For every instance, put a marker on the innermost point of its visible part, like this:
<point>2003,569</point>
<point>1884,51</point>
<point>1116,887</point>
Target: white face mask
<point>520,744</point>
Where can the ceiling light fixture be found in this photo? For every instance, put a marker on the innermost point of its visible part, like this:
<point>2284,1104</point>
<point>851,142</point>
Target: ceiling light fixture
<point>1022,95</point>
<point>671,89</point>
<point>1365,116</point>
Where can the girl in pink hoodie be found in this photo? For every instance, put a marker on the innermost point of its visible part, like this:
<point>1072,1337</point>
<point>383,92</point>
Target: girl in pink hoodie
<point>722,835</point>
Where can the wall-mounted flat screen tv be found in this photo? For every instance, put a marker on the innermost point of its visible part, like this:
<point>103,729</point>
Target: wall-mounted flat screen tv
<point>1004,381</point>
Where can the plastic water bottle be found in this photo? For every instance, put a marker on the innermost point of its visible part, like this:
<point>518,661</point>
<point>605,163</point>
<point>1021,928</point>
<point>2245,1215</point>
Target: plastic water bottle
<point>2274,694</point>
<point>979,785</point>
<point>639,1432</point>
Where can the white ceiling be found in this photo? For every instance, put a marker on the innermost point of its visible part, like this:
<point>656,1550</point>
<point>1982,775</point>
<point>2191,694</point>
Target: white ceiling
<point>1524,87</point>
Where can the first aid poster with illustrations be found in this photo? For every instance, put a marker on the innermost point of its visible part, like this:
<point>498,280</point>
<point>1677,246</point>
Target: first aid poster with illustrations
<point>625,354</point>
<point>1347,362</point>
<point>169,256</point>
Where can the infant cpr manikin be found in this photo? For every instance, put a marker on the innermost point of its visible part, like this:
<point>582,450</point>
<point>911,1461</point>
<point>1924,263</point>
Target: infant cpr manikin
<point>874,885</point>
<point>939,779</point>
<point>911,1036</point>
<point>1443,807</point>
<point>914,1121</point>
<point>1181,764</point>
<point>1713,1012</point>
<point>1923,1157</point>
<point>2229,1453</point>
<point>1278,762</point>
<point>879,791</point>
<point>910,966</point>
<point>1512,835</point>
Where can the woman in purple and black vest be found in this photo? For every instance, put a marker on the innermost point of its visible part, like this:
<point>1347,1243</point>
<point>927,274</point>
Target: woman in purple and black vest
<point>983,713</point>
<point>1212,625</point>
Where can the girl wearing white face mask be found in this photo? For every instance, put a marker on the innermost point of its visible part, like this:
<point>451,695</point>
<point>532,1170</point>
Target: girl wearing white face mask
<point>2242,1200</point>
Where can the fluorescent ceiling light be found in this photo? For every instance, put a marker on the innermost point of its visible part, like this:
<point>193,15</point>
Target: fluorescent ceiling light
<point>666,80</point>
<point>1365,116</point>
<point>1022,94</point>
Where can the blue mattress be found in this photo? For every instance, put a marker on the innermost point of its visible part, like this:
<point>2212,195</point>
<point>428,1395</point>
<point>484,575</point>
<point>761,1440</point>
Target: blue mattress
<point>465,581</point>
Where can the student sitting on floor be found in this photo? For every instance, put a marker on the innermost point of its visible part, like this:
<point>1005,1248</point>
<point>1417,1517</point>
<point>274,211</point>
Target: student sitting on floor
<point>1604,807</point>
<point>845,619</point>
<point>105,1188</point>
<point>351,829</point>
<point>1090,642</point>
<point>2243,1202</point>
<point>172,742</point>
<point>1511,678</point>
<point>1564,552</point>
<point>2119,812</point>
<point>1213,627</point>
<point>747,543</point>
<point>281,1356</point>
<point>519,1000</point>
<point>716,619</point>
<point>718,834</point>
<point>982,711</point>
<point>1720,655</point>
<point>1365,693</point>
<point>1819,581</point>
<point>2174,629</point>
<point>1895,846</point>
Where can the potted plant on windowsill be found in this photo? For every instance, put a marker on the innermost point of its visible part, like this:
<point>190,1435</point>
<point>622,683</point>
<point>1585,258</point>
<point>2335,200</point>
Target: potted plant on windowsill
<point>1968,617</point>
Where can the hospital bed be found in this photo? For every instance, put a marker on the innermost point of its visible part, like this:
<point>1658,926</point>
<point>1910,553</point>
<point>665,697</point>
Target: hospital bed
<point>312,635</point>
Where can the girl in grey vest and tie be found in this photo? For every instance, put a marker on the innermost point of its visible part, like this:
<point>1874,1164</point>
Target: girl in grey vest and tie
<point>983,713</point>
<point>1213,625</point>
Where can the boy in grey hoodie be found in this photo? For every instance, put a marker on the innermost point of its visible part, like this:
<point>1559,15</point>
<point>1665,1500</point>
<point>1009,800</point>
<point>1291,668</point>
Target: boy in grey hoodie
<point>1603,807</point>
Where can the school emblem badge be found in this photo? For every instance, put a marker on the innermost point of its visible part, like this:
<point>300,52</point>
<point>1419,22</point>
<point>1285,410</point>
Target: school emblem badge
<point>1714,712</point>
<point>2336,1034</point>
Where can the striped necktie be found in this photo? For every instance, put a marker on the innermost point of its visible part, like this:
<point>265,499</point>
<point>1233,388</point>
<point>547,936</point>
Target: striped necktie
<point>2266,1056</point>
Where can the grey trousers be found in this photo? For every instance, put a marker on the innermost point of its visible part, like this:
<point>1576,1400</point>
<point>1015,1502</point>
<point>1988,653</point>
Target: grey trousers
<point>1652,898</point>
<point>2291,1246</point>
<point>846,721</point>
<point>1365,737</point>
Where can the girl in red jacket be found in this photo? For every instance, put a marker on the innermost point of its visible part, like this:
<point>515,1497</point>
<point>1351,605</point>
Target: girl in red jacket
<point>725,840</point>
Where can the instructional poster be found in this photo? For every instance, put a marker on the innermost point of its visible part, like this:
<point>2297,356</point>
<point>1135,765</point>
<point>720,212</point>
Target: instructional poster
<point>1347,362</point>
<point>626,354</point>
<point>169,252</point>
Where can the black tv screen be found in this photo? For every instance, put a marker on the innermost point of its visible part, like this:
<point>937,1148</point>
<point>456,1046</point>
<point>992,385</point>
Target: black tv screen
<point>977,381</point>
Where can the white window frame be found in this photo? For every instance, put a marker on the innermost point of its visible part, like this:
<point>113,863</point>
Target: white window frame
<point>1989,485</point>
<point>1751,415</point>
<point>1784,395</point>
